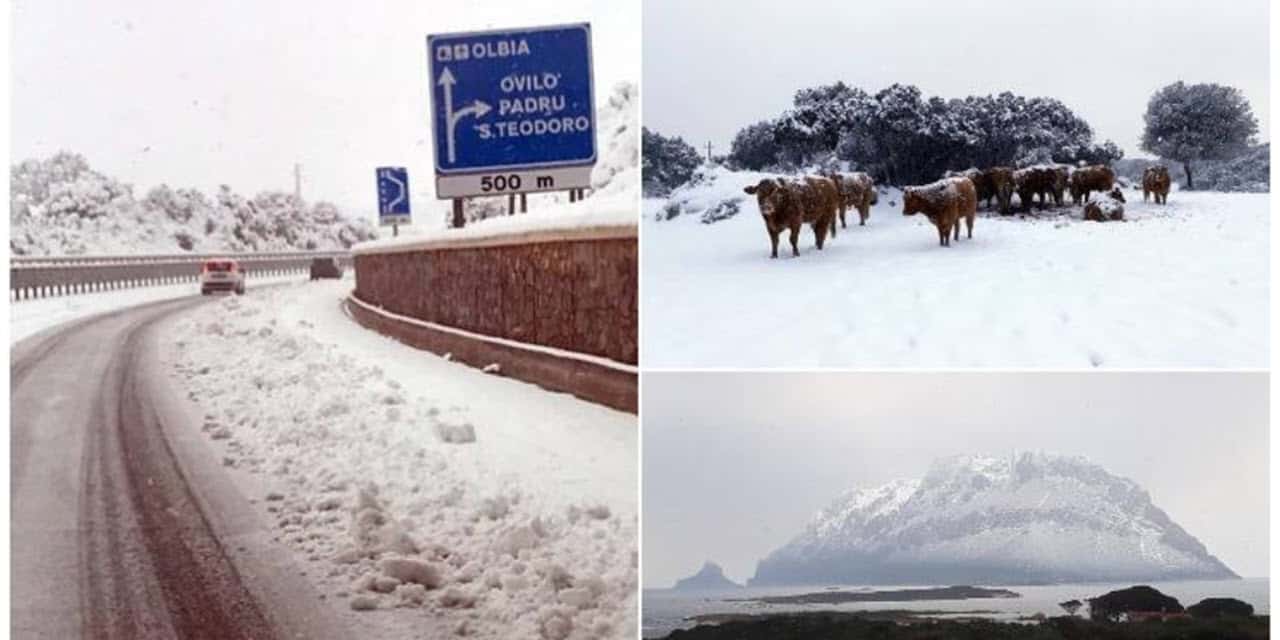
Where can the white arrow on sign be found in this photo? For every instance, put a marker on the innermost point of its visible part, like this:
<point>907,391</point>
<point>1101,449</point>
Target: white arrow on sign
<point>391,177</point>
<point>477,108</point>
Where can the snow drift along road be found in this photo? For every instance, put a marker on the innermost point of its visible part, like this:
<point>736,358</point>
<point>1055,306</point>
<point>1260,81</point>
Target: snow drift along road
<point>424,498</point>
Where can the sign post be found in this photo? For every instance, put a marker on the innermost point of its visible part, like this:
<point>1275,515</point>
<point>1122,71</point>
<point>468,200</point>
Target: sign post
<point>393,197</point>
<point>513,111</point>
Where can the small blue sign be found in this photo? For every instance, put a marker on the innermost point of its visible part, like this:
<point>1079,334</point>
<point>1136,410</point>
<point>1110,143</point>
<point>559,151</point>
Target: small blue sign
<point>512,99</point>
<point>393,194</point>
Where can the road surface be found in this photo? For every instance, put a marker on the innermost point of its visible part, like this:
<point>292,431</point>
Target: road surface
<point>122,525</point>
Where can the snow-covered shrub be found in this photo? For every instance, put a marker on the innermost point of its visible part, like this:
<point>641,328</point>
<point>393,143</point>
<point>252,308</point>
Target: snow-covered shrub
<point>900,136</point>
<point>59,205</point>
<point>668,163</point>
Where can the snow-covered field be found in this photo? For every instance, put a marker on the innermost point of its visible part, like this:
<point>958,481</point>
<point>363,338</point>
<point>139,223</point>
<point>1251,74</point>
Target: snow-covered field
<point>1182,285</point>
<point>425,498</point>
<point>27,317</point>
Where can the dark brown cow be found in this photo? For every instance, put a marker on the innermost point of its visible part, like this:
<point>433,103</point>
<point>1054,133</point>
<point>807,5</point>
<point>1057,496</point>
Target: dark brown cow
<point>1155,181</point>
<point>982,183</point>
<point>1001,179</point>
<point>944,202</point>
<point>857,190</point>
<point>1108,207</point>
<point>1061,178</point>
<point>789,204</point>
<point>1034,181</point>
<point>1098,177</point>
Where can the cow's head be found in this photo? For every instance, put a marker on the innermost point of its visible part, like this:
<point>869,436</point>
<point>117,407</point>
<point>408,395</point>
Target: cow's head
<point>770,195</point>
<point>912,201</point>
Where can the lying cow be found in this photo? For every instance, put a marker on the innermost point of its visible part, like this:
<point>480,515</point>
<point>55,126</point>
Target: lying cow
<point>1155,181</point>
<point>1098,177</point>
<point>1108,207</point>
<point>1001,179</point>
<point>1034,181</point>
<point>789,204</point>
<point>944,202</point>
<point>857,190</point>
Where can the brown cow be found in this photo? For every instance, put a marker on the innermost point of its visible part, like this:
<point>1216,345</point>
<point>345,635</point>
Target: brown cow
<point>1034,181</point>
<point>1108,207</point>
<point>857,190</point>
<point>1155,181</point>
<point>789,204</point>
<point>1098,177</point>
<point>1061,178</point>
<point>944,202</point>
<point>982,183</point>
<point>1001,179</point>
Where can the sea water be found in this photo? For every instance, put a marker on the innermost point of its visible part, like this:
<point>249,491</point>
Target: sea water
<point>665,610</point>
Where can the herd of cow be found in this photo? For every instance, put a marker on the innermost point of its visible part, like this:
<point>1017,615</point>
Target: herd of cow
<point>786,204</point>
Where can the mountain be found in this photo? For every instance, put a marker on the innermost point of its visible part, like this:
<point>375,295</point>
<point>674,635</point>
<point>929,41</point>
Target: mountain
<point>1030,519</point>
<point>61,206</point>
<point>710,577</point>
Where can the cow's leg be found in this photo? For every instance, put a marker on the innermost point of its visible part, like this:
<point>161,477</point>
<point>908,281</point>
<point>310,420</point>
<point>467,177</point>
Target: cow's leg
<point>955,227</point>
<point>969,221</point>
<point>773,239</point>
<point>795,240</point>
<point>843,207</point>
<point>820,231</point>
<point>942,235</point>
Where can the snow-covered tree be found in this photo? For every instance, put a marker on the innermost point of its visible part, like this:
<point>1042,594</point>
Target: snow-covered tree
<point>754,147</point>
<point>667,162</point>
<point>1191,123</point>
<point>903,137</point>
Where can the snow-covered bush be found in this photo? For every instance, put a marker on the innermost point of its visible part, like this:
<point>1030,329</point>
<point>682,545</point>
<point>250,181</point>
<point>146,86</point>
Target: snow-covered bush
<point>668,163</point>
<point>902,137</point>
<point>61,206</point>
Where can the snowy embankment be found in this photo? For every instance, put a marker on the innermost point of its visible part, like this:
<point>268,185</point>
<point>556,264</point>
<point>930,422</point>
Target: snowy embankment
<point>425,498</point>
<point>1180,285</point>
<point>28,317</point>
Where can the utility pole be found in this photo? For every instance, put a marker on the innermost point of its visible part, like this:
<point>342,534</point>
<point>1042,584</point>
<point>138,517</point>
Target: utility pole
<point>708,152</point>
<point>297,181</point>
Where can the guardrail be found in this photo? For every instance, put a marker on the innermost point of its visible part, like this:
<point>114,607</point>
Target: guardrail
<point>40,277</point>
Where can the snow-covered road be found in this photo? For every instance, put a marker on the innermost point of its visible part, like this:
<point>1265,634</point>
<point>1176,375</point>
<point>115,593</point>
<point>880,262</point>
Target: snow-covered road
<point>361,450</point>
<point>122,526</point>
<point>1184,285</point>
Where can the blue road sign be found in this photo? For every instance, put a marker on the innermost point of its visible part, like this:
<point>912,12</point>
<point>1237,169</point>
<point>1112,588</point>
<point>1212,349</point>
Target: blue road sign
<point>393,195</point>
<point>512,100</point>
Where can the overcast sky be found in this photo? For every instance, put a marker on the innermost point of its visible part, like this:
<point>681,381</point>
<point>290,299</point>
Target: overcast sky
<point>735,465</point>
<point>710,70</point>
<point>235,92</point>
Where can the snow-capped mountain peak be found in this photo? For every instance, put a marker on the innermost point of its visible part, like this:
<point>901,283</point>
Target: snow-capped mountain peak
<point>1026,518</point>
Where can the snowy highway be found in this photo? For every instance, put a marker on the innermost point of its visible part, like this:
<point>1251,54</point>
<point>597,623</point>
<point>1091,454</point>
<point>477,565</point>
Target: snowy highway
<point>206,467</point>
<point>119,529</point>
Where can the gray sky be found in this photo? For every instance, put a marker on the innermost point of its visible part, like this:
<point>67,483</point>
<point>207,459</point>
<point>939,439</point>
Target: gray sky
<point>235,92</point>
<point>710,70</point>
<point>735,464</point>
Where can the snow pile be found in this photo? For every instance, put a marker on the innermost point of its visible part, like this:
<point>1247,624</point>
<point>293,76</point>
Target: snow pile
<point>714,193</point>
<point>617,169</point>
<point>390,490</point>
<point>1028,519</point>
<point>1040,290</point>
<point>60,206</point>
